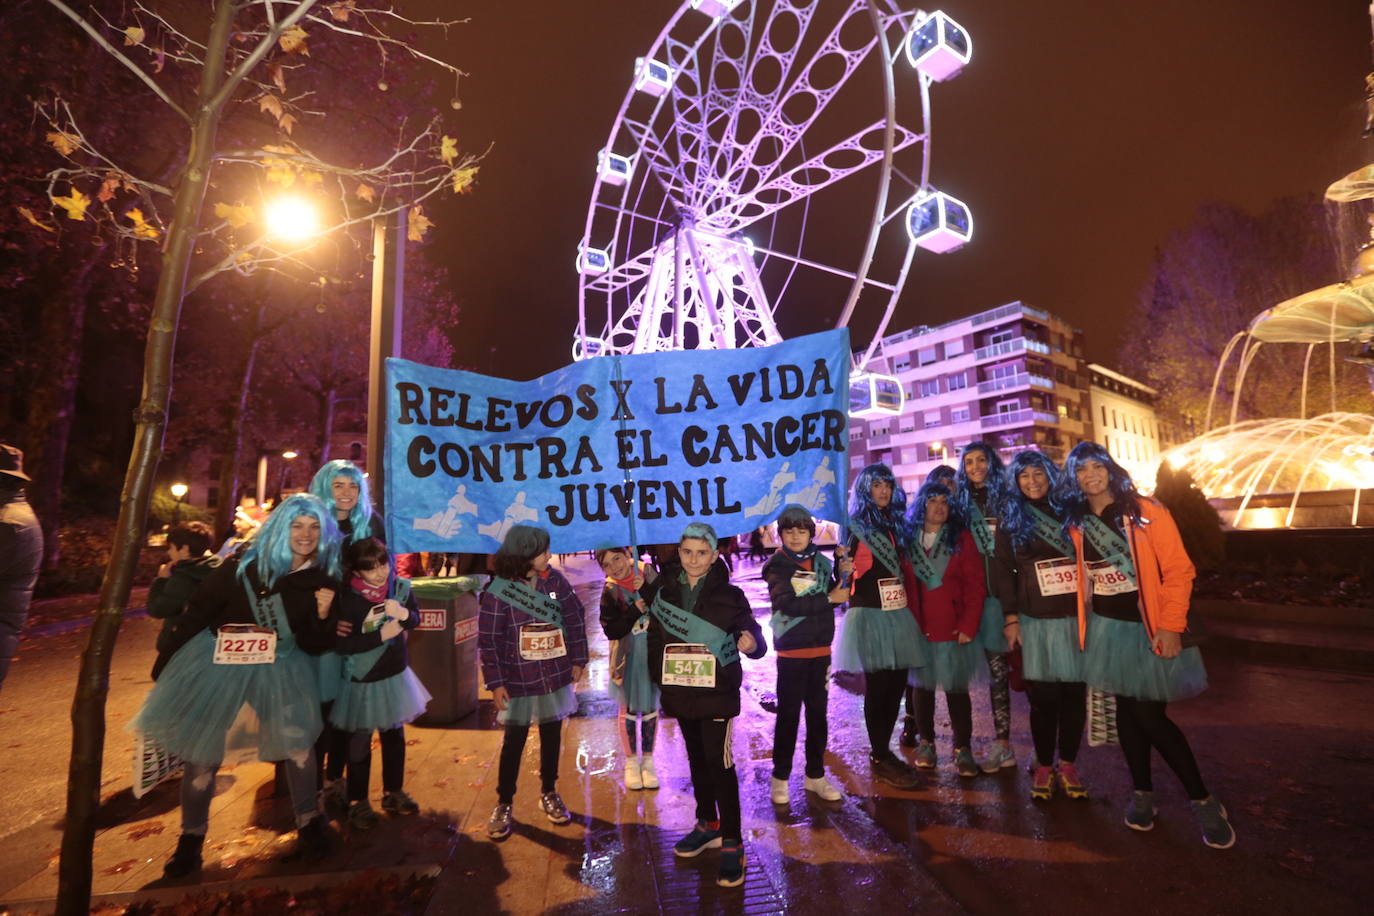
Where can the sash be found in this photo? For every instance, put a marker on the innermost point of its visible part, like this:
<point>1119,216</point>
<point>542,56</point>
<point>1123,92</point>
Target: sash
<point>881,546</point>
<point>519,595</point>
<point>930,568</point>
<point>360,664</point>
<point>780,623</point>
<point>1050,531</point>
<point>270,612</point>
<point>1110,545</point>
<point>630,597</point>
<point>978,527</point>
<point>689,628</point>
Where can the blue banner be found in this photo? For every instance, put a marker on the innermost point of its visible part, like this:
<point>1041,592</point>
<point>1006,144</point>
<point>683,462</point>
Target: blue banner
<point>617,448</point>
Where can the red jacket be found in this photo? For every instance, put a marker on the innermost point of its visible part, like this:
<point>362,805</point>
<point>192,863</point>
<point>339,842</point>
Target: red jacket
<point>1164,573</point>
<point>957,605</point>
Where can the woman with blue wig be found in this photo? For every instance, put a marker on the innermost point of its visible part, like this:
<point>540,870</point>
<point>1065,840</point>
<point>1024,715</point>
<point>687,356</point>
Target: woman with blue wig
<point>1135,583</point>
<point>879,636</point>
<point>979,495</point>
<point>343,488</point>
<point>237,676</point>
<point>1037,583</point>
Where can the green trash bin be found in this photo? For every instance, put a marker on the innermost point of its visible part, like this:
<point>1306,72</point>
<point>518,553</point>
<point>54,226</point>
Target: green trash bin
<point>443,646</point>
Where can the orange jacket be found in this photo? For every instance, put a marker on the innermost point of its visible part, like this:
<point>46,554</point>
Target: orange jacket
<point>1163,571</point>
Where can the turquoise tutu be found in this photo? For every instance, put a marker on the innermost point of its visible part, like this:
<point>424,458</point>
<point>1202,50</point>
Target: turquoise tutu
<point>872,639</point>
<point>547,707</point>
<point>202,712</point>
<point>990,632</point>
<point>330,674</point>
<point>637,692</point>
<point>1049,649</point>
<point>951,667</point>
<point>1118,660</point>
<point>380,705</point>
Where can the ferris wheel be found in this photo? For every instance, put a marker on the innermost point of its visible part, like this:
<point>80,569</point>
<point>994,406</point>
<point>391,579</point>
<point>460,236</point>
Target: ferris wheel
<point>769,155</point>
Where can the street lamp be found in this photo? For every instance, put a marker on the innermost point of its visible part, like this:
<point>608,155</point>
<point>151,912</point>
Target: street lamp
<point>178,491</point>
<point>292,218</point>
<point>289,455</point>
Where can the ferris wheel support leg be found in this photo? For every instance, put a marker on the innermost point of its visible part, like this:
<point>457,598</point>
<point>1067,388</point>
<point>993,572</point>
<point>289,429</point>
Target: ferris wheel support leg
<point>758,297</point>
<point>708,294</point>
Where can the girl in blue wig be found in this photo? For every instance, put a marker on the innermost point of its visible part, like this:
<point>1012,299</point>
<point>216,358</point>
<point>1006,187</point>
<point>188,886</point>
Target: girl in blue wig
<point>343,488</point>
<point>247,640</point>
<point>949,606</point>
<point>1135,583</point>
<point>1036,580</point>
<point>879,636</point>
<point>979,496</point>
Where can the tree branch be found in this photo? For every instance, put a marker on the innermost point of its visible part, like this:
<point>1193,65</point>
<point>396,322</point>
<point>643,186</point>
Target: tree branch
<point>231,82</point>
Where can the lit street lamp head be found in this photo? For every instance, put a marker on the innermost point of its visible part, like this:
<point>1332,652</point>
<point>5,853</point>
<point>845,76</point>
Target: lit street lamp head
<point>291,218</point>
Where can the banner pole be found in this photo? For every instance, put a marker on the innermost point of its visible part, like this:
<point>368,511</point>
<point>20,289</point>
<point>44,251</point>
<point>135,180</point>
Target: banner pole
<point>634,545</point>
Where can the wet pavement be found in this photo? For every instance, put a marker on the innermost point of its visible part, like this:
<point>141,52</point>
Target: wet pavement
<point>1290,751</point>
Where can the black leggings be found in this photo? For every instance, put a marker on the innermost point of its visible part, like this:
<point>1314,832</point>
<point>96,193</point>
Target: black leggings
<point>513,748</point>
<point>714,780</point>
<point>882,700</point>
<point>801,681</point>
<point>1144,724</point>
<point>331,748</point>
<point>960,707</point>
<point>360,761</point>
<point>1058,712</point>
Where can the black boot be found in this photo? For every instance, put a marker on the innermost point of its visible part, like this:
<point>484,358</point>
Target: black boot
<point>313,840</point>
<point>908,738</point>
<point>186,859</point>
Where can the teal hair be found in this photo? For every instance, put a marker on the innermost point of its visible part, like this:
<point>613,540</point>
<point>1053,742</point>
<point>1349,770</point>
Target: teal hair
<point>270,550</point>
<point>701,532</point>
<point>322,483</point>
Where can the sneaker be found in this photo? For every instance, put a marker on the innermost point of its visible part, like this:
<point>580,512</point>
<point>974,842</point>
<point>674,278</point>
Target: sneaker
<point>823,788</point>
<point>964,762</point>
<point>698,841</point>
<point>500,823</point>
<point>778,791</point>
<point>1042,783</point>
<point>334,798</point>
<point>908,738</point>
<point>1068,778</point>
<point>633,780</point>
<point>554,809</point>
<point>731,872</point>
<point>361,816</point>
<point>314,839</point>
<point>1217,831</point>
<point>1001,755</point>
<point>186,860</point>
<point>925,755</point>
<point>646,772</point>
<point>399,802</point>
<point>894,772</point>
<point>1140,813</point>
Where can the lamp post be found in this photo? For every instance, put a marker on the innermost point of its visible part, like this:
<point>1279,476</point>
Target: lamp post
<point>288,456</point>
<point>178,491</point>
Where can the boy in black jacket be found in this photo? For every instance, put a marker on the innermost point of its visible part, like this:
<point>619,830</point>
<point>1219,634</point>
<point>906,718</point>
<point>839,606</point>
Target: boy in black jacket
<point>803,587</point>
<point>699,625</point>
<point>189,561</point>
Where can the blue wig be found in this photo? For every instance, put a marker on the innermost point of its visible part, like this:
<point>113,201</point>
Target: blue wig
<point>916,517</point>
<point>1016,520</point>
<point>942,473</point>
<point>995,483</point>
<point>864,513</point>
<point>1071,499</point>
<point>322,486</point>
<point>700,531</point>
<point>270,550</point>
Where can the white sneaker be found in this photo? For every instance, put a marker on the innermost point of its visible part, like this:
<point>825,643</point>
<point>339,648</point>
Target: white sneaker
<point>633,779</point>
<point>646,772</point>
<point>779,793</point>
<point>822,787</point>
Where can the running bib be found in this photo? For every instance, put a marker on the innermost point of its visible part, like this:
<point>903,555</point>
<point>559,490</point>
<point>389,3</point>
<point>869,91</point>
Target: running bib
<point>688,665</point>
<point>245,644</point>
<point>1057,577</point>
<point>375,618</point>
<point>803,581</point>
<point>1108,579</point>
<point>891,594</point>
<point>540,641</point>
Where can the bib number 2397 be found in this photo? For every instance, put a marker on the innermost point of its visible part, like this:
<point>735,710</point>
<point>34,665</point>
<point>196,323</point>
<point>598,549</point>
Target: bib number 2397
<point>245,644</point>
<point>1057,577</point>
<point>539,641</point>
<point>688,665</point>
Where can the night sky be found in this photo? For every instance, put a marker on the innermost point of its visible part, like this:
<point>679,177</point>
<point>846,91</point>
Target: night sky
<point>1081,135</point>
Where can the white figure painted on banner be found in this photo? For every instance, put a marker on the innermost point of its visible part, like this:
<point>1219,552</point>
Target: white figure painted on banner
<point>517,513</point>
<point>773,501</point>
<point>813,496</point>
<point>446,524</point>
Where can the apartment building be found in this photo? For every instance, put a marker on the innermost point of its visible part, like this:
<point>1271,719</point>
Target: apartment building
<point>1123,410</point>
<point>1013,376</point>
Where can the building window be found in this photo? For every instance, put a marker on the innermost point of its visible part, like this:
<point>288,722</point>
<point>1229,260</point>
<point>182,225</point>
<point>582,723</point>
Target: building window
<point>1006,370</point>
<point>930,387</point>
<point>1114,426</point>
<point>958,415</point>
<point>957,381</point>
<point>925,356</point>
<point>932,418</point>
<point>954,347</point>
<point>1001,336</point>
<point>1008,406</point>
<point>1104,414</point>
<point>901,363</point>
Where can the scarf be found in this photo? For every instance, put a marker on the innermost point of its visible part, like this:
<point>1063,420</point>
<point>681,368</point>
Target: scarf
<point>373,593</point>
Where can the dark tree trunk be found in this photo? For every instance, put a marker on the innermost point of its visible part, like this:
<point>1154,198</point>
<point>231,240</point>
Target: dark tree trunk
<point>238,411</point>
